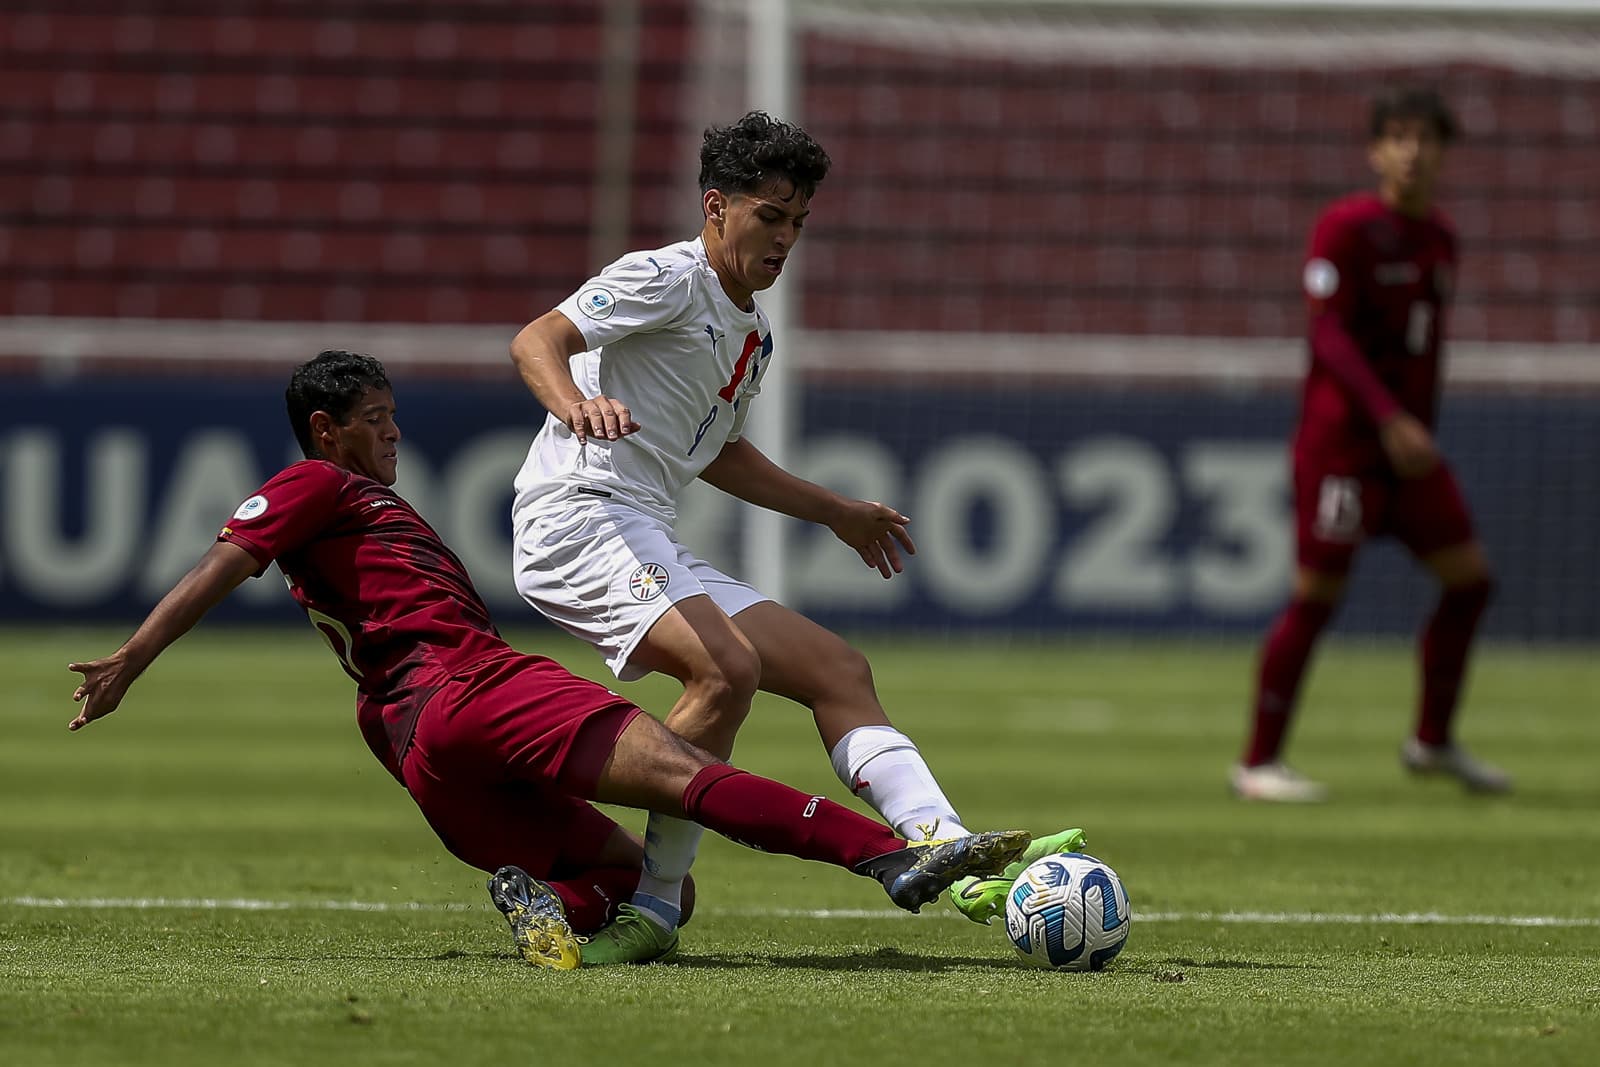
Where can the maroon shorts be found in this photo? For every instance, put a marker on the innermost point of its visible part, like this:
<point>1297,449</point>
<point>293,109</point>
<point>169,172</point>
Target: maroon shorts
<point>503,757</point>
<point>1336,511</point>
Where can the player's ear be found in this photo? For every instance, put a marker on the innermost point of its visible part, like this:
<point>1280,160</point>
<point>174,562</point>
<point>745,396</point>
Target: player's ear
<point>322,427</point>
<point>716,206</point>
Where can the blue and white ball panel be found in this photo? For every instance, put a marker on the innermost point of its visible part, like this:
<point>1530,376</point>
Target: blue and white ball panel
<point>1069,912</point>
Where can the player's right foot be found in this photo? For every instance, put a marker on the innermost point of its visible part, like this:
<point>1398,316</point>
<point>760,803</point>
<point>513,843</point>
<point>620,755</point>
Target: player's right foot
<point>1456,762</point>
<point>632,937</point>
<point>981,899</point>
<point>918,873</point>
<point>538,921</point>
<point>1277,783</point>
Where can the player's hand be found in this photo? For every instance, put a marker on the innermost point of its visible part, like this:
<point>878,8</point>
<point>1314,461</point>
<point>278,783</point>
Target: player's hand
<point>1409,445</point>
<point>600,416</point>
<point>877,532</point>
<point>105,682</point>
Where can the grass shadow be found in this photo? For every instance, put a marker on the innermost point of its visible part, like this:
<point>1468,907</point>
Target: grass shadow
<point>883,959</point>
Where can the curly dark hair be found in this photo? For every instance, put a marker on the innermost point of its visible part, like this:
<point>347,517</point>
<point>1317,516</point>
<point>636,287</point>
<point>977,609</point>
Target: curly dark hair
<point>1412,102</point>
<point>743,157</point>
<point>335,381</point>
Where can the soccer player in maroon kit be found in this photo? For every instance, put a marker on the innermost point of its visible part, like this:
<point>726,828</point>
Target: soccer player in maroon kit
<point>1378,277</point>
<point>500,750</point>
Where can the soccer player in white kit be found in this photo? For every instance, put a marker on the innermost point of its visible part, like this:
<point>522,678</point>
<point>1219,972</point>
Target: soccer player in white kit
<point>649,372</point>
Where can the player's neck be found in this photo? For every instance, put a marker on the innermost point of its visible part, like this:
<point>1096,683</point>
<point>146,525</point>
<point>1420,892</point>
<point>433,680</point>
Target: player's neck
<point>717,255</point>
<point>1415,205</point>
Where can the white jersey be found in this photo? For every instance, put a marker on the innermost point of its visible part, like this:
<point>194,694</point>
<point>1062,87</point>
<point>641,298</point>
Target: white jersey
<point>666,340</point>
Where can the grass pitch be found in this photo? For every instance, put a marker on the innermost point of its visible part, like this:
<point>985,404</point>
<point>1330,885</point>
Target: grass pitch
<point>221,873</point>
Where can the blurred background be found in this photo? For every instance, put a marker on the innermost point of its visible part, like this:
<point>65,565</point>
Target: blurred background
<point>1047,304</point>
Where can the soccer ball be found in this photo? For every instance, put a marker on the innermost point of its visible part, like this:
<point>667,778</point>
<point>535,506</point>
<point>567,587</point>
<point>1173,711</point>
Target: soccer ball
<point>1068,911</point>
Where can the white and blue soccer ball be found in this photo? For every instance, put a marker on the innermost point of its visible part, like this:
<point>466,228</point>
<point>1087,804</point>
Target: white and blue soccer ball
<point>1069,912</point>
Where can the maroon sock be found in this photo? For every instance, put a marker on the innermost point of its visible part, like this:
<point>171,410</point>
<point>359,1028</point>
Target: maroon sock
<point>1283,663</point>
<point>1446,641</point>
<point>591,897</point>
<point>771,817</point>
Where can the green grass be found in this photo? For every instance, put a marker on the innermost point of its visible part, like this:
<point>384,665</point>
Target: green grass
<point>235,770</point>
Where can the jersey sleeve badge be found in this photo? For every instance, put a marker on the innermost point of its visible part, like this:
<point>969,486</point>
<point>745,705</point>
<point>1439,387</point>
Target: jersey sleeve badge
<point>253,508</point>
<point>597,302</point>
<point>1321,279</point>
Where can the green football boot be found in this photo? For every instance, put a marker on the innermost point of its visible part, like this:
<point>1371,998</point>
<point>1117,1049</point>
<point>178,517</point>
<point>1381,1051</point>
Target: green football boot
<point>538,921</point>
<point>917,874</point>
<point>981,899</point>
<point>632,937</point>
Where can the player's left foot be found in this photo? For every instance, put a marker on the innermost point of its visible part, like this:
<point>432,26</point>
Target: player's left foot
<point>538,921</point>
<point>981,899</point>
<point>918,873</point>
<point>1455,762</point>
<point>632,937</point>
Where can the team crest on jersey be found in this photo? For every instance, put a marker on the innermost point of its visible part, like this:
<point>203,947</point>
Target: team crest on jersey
<point>253,508</point>
<point>648,581</point>
<point>597,302</point>
<point>1321,279</point>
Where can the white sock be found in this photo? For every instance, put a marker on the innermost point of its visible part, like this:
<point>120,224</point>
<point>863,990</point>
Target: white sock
<point>669,848</point>
<point>882,766</point>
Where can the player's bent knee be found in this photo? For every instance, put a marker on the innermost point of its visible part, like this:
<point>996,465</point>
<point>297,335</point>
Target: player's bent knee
<point>725,691</point>
<point>737,675</point>
<point>1319,586</point>
<point>849,670</point>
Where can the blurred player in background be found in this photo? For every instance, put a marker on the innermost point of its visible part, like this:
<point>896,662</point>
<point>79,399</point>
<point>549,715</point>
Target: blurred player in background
<point>500,750</point>
<point>1378,277</point>
<point>649,372</point>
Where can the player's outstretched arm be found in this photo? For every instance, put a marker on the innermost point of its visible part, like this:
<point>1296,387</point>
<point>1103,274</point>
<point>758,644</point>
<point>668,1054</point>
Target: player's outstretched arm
<point>876,531</point>
<point>105,681</point>
<point>541,352</point>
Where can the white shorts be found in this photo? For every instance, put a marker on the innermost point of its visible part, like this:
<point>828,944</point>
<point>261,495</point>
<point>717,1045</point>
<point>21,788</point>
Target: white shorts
<point>605,572</point>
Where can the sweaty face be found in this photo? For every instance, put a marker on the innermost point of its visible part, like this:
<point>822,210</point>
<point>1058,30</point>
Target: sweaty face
<point>756,231</point>
<point>368,441</point>
<point>1407,156</point>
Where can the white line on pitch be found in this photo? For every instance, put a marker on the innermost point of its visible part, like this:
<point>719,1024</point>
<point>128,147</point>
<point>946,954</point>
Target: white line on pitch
<point>1243,918</point>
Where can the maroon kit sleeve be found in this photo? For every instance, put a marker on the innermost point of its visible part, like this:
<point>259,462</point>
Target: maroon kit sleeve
<point>1333,272</point>
<point>293,507</point>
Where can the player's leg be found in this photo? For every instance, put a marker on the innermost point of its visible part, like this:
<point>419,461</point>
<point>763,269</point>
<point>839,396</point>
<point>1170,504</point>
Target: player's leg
<point>510,828</point>
<point>695,642</point>
<point>594,882</point>
<point>814,667</point>
<point>653,768</point>
<point>561,869</point>
<point>1432,520</point>
<point>593,878</point>
<point>526,723</point>
<point>817,669</point>
<point>615,577</point>
<point>1333,513</point>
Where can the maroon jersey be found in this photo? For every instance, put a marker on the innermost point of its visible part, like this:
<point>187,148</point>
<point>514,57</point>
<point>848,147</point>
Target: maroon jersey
<point>1377,282</point>
<point>394,604</point>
